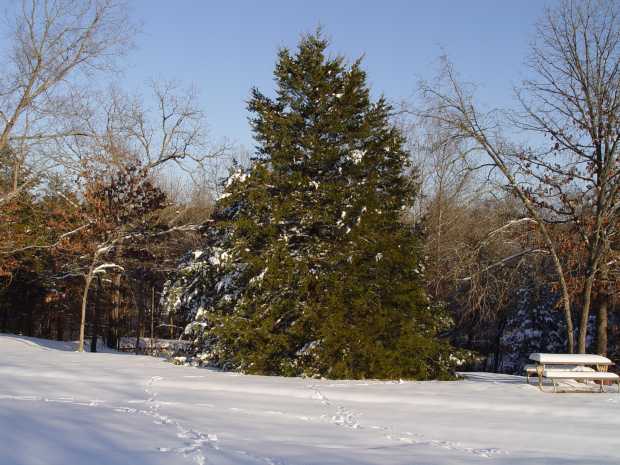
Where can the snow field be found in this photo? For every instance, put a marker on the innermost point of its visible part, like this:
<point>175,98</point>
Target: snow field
<point>59,407</point>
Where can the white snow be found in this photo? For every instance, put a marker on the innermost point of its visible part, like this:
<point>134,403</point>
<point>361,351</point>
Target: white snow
<point>570,358</point>
<point>259,278</point>
<point>105,266</point>
<point>357,156</point>
<point>59,407</point>
<point>567,374</point>
<point>237,176</point>
<point>218,257</point>
<point>307,348</point>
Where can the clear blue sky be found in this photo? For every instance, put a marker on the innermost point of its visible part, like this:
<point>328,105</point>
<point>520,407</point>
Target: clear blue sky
<point>226,47</point>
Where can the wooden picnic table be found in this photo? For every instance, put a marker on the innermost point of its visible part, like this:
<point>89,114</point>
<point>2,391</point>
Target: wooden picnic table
<point>570,366</point>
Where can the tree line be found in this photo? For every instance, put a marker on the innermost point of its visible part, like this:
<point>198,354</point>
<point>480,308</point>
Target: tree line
<point>88,198</point>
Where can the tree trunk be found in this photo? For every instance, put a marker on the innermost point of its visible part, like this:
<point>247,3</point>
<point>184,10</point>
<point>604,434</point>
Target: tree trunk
<point>48,323</point>
<point>603,307</point>
<point>87,280</point>
<point>585,313</point>
<point>94,339</point>
<point>114,313</point>
<point>601,329</point>
<point>498,345</point>
<point>60,324</point>
<point>29,316</point>
<point>5,319</point>
<point>152,318</point>
<point>140,327</point>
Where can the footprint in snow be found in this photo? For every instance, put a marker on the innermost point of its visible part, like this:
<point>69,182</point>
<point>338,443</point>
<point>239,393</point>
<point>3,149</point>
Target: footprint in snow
<point>91,403</point>
<point>125,410</point>
<point>346,419</point>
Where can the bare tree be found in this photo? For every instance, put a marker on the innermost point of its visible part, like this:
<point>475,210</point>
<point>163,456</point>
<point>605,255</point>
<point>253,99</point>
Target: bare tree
<point>54,43</point>
<point>448,183</point>
<point>453,108</point>
<point>573,100</point>
<point>127,132</point>
<point>54,48</point>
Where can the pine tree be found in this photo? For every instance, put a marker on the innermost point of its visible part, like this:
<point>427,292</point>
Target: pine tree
<point>333,278</point>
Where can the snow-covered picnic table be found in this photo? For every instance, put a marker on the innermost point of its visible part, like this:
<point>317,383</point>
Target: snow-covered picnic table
<point>579,367</point>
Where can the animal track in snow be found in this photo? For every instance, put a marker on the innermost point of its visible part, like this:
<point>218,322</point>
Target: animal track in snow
<point>345,418</point>
<point>342,416</point>
<point>194,441</point>
<point>350,419</point>
<point>125,410</point>
<point>418,439</point>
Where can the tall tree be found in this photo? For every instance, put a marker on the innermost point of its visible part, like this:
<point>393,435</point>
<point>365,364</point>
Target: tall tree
<point>333,277</point>
<point>119,208</point>
<point>573,100</point>
<point>572,103</point>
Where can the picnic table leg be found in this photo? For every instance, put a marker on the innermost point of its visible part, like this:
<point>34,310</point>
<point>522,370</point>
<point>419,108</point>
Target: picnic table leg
<point>604,369</point>
<point>539,371</point>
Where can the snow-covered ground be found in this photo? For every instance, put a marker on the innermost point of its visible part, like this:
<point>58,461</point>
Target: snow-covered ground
<point>59,407</point>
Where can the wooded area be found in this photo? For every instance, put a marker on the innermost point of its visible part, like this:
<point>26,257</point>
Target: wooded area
<point>109,202</point>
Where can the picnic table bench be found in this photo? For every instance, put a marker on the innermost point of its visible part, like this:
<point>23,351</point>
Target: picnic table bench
<point>577,367</point>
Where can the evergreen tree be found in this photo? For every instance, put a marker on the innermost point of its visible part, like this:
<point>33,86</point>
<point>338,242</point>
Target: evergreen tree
<point>535,325</point>
<point>332,283</point>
